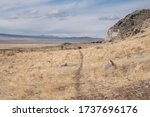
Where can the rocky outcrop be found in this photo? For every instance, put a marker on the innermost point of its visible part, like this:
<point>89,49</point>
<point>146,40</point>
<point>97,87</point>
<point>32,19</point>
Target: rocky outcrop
<point>130,25</point>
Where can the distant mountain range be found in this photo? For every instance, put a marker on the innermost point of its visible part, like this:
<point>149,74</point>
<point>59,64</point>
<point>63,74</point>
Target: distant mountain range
<point>42,36</point>
<point>28,39</point>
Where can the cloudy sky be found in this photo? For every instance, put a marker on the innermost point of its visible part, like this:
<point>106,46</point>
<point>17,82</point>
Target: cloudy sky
<point>64,17</point>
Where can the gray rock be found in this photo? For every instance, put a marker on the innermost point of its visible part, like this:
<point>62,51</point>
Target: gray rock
<point>130,25</point>
<point>109,65</point>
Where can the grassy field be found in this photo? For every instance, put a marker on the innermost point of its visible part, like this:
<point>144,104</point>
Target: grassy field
<point>79,73</point>
<point>12,46</point>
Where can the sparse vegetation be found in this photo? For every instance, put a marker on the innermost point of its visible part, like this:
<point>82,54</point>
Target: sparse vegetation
<point>38,74</point>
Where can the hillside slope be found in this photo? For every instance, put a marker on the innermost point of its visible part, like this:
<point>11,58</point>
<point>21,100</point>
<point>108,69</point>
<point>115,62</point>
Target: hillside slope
<point>84,73</point>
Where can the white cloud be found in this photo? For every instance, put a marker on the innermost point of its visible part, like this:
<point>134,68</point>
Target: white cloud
<point>113,18</point>
<point>6,4</point>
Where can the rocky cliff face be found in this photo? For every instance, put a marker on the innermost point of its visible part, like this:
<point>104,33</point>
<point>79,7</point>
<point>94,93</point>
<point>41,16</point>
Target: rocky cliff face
<point>130,25</point>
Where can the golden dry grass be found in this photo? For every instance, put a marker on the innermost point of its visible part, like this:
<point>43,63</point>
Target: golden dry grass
<point>79,73</point>
<point>11,46</point>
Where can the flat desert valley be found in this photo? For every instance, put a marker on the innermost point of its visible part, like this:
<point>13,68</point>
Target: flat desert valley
<point>110,70</point>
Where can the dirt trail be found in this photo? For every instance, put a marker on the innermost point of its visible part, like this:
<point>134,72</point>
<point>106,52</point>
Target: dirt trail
<point>77,76</point>
<point>93,88</point>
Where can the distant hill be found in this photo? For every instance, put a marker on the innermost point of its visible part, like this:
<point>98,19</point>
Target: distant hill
<point>25,39</point>
<point>25,36</point>
<point>129,26</point>
<point>42,36</point>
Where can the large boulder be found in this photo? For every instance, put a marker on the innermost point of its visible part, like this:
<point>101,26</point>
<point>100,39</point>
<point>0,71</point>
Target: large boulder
<point>130,25</point>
